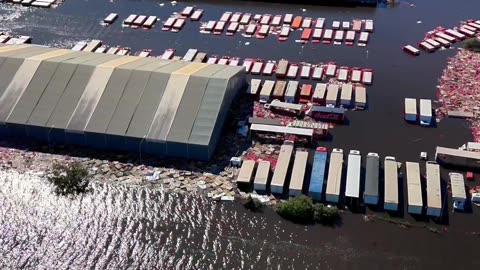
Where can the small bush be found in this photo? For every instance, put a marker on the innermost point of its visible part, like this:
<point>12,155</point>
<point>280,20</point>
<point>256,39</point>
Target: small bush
<point>325,215</point>
<point>472,44</point>
<point>252,204</point>
<point>299,209</point>
<point>69,178</point>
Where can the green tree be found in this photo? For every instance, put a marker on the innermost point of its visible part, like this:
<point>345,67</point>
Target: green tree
<point>472,44</point>
<point>325,215</point>
<point>69,178</point>
<point>299,209</point>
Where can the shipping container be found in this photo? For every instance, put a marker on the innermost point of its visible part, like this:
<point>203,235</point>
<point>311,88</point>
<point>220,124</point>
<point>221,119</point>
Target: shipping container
<point>319,93</point>
<point>254,86</point>
<point>282,68</point>
<point>298,173</point>
<point>261,177</point>
<point>391,184</point>
<point>246,174</point>
<point>266,92</point>
<point>425,112</point>
<point>317,177</point>
<point>434,191</point>
<point>360,97</point>
<point>334,180</point>
<point>332,94</point>
<point>411,109</point>
<point>346,95</point>
<point>291,93</point>
<point>305,93</point>
<point>414,188</point>
<point>371,194</point>
<point>352,187</point>
<point>281,168</point>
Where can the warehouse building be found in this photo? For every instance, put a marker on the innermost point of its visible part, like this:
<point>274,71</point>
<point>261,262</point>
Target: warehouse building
<point>162,107</point>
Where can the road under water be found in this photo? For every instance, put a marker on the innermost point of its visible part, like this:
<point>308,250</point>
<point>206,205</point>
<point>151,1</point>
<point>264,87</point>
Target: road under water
<point>139,227</point>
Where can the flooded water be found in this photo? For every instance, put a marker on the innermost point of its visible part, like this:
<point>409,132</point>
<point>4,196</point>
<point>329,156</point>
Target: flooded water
<point>136,227</point>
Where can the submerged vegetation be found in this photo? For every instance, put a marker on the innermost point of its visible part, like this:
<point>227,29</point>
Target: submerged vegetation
<point>69,178</point>
<point>252,204</point>
<point>301,209</point>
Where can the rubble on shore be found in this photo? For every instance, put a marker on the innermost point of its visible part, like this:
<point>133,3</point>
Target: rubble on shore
<point>459,89</point>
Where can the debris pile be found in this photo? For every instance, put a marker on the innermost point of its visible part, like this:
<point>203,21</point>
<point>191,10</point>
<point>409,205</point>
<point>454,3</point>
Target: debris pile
<point>459,89</point>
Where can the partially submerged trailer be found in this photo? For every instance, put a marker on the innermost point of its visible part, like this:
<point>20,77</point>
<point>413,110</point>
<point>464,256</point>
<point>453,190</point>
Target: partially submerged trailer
<point>328,35</point>
<point>277,20</point>
<point>414,188</point>
<point>305,93</point>
<point>317,177</point>
<point>426,112</point>
<point>150,22</point>
<point>332,94</point>
<point>305,71</point>
<point>446,37</point>
<point>269,68</point>
<point>291,93</point>
<point>456,157</point>
<point>356,75</point>
<point>427,46</point>
<point>246,174</point>
<point>257,67</point>
<point>129,20</point>
<point>319,93</point>
<point>410,109</point>
<point>92,45</point>
<point>459,196</point>
<point>360,97</point>
<point>282,68</point>
<point>246,18</point>
<point>363,39</point>
<point>279,90</point>
<point>369,25</point>
<point>298,173</point>
<point>307,22</point>
<point>331,69</point>
<point>306,33</point>
<point>288,18</point>
<point>334,180</point>
<point>342,74</point>
<point>317,35</point>
<point>236,17</point>
<point>339,35</point>
<point>336,25</point>
<point>317,73</point>
<point>210,26</point>
<point>434,191</point>
<point>412,50</point>
<point>346,95</point>
<point>266,92</point>
<point>367,76</point>
<point>292,71</point>
<point>391,184</point>
<point>283,163</point>
<point>190,55</point>
<point>352,188</point>
<point>110,18</point>
<point>261,177</point>
<point>370,195</point>
<point>455,34</point>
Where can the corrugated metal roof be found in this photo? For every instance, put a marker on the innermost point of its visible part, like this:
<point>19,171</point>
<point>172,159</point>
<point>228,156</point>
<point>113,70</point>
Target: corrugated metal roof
<point>210,107</point>
<point>26,104</point>
<point>74,90</point>
<point>128,96</point>
<point>21,80</point>
<point>93,92</point>
<point>55,89</point>
<point>190,104</point>
<point>112,94</point>
<point>167,109</point>
<point>132,94</point>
